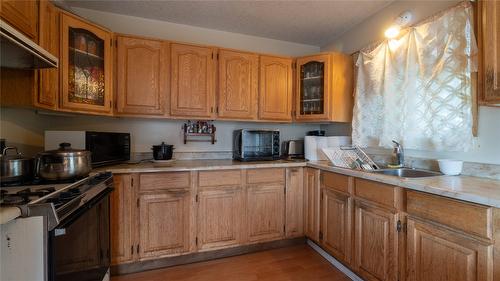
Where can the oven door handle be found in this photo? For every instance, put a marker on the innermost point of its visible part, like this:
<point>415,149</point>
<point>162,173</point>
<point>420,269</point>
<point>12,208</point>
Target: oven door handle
<point>76,215</point>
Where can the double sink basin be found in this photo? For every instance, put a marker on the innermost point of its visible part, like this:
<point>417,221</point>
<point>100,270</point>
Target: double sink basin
<point>407,173</point>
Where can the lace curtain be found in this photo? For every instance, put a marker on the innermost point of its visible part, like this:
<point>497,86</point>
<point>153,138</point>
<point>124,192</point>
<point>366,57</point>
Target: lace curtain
<point>417,89</point>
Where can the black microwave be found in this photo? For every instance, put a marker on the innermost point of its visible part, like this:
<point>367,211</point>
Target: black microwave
<point>256,145</point>
<point>106,147</point>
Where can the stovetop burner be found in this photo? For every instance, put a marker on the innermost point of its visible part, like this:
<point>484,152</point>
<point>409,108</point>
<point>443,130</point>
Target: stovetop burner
<point>13,200</point>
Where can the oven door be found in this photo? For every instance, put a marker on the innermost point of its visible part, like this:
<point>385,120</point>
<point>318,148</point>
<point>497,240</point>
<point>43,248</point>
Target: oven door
<point>79,247</point>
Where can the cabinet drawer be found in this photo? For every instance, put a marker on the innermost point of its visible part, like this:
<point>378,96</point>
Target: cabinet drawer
<point>266,175</point>
<point>219,178</point>
<point>335,181</point>
<point>380,193</point>
<point>158,181</point>
<point>468,217</point>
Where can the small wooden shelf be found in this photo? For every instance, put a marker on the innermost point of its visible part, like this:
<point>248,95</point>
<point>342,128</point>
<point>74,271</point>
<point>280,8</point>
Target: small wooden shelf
<point>210,135</point>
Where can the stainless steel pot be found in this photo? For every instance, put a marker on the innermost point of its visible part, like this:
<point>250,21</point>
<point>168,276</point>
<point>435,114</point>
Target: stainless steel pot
<point>15,168</point>
<point>63,163</point>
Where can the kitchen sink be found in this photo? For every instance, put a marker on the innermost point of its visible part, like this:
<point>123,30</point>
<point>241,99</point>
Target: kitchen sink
<point>407,173</point>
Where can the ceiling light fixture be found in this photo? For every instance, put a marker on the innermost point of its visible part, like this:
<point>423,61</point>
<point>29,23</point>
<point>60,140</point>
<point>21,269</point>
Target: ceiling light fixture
<point>401,21</point>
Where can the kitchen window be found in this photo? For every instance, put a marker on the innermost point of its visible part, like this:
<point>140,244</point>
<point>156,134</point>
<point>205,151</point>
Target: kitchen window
<point>418,88</point>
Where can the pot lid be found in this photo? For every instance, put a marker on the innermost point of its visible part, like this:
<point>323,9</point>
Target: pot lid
<point>65,149</point>
<point>163,144</point>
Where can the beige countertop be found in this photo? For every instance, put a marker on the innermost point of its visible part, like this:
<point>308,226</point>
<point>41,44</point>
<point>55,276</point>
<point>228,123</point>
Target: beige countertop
<point>9,213</point>
<point>472,189</point>
<point>195,165</point>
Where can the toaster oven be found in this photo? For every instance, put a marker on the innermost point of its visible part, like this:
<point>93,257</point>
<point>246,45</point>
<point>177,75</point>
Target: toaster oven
<point>256,145</point>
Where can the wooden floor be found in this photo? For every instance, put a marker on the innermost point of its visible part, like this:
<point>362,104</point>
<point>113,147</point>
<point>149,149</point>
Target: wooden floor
<point>291,263</point>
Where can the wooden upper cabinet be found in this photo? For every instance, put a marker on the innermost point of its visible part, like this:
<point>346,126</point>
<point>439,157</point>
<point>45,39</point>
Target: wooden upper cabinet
<point>324,88</point>
<point>294,202</point>
<point>142,76</point>
<point>311,203</point>
<point>489,43</point>
<point>375,243</point>
<point>22,15</point>
<point>438,253</point>
<point>123,219</point>
<point>312,94</point>
<point>192,90</point>
<point>86,66</point>
<point>275,95</point>
<point>238,82</point>
<point>47,95</point>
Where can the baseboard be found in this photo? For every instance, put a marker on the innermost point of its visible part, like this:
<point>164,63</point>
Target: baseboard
<point>202,256</point>
<point>333,261</point>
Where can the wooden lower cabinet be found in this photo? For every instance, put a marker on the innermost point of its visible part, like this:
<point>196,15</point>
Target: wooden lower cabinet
<point>220,217</point>
<point>438,253</point>
<point>336,224</point>
<point>294,213</point>
<point>311,203</point>
<point>165,223</point>
<point>375,242</point>
<point>123,219</point>
<point>265,212</point>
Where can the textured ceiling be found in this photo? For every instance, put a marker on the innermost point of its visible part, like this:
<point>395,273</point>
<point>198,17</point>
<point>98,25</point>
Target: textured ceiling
<point>309,22</point>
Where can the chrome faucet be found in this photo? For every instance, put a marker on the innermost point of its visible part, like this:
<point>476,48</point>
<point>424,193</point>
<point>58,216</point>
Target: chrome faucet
<point>398,157</point>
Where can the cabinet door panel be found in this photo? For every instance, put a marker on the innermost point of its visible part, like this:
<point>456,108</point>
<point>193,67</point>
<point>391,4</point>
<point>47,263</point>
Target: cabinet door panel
<point>123,219</point>
<point>48,91</point>
<point>220,217</point>
<point>238,78</point>
<point>294,202</point>
<point>489,15</point>
<point>164,223</point>
<point>192,89</point>
<point>21,14</point>
<point>313,92</point>
<point>265,212</point>
<point>312,204</point>
<point>336,224</point>
<point>376,243</point>
<point>275,89</point>
<point>142,75</point>
<point>436,253</point>
<point>86,67</point>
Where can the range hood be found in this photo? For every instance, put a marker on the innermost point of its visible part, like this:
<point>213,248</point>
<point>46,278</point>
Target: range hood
<point>18,51</point>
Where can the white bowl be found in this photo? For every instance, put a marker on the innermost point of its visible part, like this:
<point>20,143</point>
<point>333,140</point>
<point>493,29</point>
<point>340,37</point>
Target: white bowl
<point>450,167</point>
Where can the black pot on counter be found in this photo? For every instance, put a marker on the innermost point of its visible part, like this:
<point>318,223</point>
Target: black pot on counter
<point>162,151</point>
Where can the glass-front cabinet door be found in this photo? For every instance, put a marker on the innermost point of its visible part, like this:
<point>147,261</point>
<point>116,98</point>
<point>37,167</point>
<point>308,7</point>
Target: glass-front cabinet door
<point>86,67</point>
<point>312,89</point>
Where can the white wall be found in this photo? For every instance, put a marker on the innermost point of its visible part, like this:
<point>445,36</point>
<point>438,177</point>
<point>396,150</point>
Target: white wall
<point>191,34</point>
<point>25,128</point>
<point>487,148</point>
<point>373,28</point>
